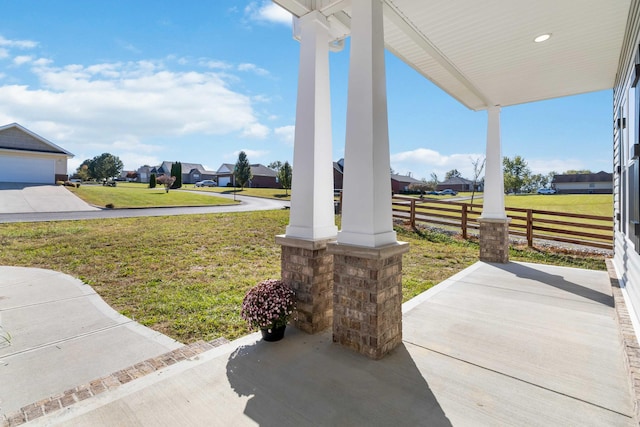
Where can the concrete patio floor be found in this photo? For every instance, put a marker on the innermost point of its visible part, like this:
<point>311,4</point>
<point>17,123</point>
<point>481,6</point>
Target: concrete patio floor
<point>513,344</point>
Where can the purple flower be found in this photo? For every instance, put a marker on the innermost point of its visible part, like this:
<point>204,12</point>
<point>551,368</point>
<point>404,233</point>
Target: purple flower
<point>267,305</point>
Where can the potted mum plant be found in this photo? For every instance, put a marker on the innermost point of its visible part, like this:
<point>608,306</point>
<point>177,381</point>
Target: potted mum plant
<point>268,306</point>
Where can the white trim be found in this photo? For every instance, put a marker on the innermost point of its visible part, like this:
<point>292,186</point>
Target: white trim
<point>627,301</point>
<point>34,153</point>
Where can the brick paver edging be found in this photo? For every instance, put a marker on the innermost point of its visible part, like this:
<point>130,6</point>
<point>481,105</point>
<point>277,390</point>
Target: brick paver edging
<point>630,347</point>
<point>109,382</point>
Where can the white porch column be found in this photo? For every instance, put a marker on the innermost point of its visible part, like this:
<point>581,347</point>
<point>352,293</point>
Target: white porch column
<point>367,292</point>
<point>312,210</point>
<point>493,204</point>
<point>366,211</point>
<point>494,224</point>
<point>306,266</point>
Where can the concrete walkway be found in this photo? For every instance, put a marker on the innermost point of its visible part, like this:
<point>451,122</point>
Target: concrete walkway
<point>516,344</point>
<point>62,335</point>
<point>29,198</point>
<point>16,212</point>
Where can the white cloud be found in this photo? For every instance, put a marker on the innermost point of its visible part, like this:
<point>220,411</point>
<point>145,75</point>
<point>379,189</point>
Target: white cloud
<point>256,130</point>
<point>267,11</point>
<point>22,59</point>
<point>254,156</point>
<point>253,68</point>
<point>544,166</point>
<point>215,64</point>
<point>422,162</point>
<point>4,53</point>
<point>124,104</point>
<point>285,134</point>
<point>20,44</point>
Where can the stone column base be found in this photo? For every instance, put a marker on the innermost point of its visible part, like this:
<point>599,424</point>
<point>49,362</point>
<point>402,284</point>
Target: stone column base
<point>307,268</point>
<point>494,240</point>
<point>367,297</point>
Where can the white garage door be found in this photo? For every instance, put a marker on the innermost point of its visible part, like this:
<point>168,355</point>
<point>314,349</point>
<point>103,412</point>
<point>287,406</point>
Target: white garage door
<point>223,181</point>
<point>25,169</point>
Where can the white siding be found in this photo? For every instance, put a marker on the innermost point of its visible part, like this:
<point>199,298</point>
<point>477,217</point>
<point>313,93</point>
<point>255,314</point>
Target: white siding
<point>626,182</point>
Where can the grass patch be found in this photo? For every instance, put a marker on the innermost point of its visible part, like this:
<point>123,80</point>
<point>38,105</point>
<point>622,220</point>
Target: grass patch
<point>133,195</point>
<point>186,276</point>
<point>586,204</point>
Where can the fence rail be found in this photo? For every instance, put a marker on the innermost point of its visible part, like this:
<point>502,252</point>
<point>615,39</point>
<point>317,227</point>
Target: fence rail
<point>586,230</point>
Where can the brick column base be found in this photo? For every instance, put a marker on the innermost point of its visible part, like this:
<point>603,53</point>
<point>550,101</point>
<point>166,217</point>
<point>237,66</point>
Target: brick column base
<point>367,297</point>
<point>494,240</point>
<point>307,268</point>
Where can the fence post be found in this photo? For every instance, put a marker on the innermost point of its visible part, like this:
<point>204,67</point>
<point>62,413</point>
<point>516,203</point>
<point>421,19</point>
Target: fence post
<point>464,221</point>
<point>413,214</point>
<point>529,228</point>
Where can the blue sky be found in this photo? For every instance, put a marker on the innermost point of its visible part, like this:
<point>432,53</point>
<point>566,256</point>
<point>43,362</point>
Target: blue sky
<point>199,81</point>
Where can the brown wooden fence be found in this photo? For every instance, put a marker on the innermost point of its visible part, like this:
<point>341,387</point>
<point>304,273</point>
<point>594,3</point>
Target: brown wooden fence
<point>586,230</point>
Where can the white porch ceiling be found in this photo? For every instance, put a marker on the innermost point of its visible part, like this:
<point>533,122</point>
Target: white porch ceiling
<point>482,52</point>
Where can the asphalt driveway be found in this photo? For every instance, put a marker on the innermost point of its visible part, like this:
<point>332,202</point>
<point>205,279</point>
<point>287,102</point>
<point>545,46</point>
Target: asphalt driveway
<point>30,198</point>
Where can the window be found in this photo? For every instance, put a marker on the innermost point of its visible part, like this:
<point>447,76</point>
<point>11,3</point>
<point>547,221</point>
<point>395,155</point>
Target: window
<point>633,173</point>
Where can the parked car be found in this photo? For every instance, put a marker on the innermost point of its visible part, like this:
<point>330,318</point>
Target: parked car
<point>206,183</point>
<point>448,192</point>
<point>432,193</point>
<point>546,191</point>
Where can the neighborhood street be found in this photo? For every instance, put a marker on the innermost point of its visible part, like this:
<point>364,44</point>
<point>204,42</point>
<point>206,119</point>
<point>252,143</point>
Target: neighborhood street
<point>246,204</point>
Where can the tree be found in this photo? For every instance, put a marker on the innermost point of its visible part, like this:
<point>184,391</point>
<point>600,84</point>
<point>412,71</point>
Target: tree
<point>152,181</point>
<point>104,166</point>
<point>275,165</point>
<point>478,167</point>
<point>242,171</point>
<point>516,172</point>
<point>83,171</point>
<point>284,175</point>
<point>132,175</point>
<point>434,180</point>
<point>453,173</point>
<point>535,181</point>
<point>167,181</point>
<point>422,187</point>
<point>176,172</point>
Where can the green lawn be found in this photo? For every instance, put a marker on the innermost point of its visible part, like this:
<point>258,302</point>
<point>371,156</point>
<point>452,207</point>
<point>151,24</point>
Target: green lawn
<point>587,204</point>
<point>186,276</point>
<point>135,195</point>
<point>268,193</point>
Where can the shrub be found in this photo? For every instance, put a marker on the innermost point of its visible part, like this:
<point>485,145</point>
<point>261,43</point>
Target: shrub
<point>268,305</point>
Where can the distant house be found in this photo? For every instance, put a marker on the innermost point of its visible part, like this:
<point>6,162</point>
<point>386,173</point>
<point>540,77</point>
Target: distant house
<point>338,174</point>
<point>456,183</point>
<point>262,176</point>
<point>29,158</point>
<point>584,183</point>
<point>191,172</point>
<point>144,173</point>
<point>401,183</point>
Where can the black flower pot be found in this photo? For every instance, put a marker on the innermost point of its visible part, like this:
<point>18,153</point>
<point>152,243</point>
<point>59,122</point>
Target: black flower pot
<point>276,334</point>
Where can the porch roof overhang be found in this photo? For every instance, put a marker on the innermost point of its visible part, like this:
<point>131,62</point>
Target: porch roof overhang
<point>483,53</point>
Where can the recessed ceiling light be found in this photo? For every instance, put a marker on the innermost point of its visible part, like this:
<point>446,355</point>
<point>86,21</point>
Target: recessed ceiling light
<point>542,38</point>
